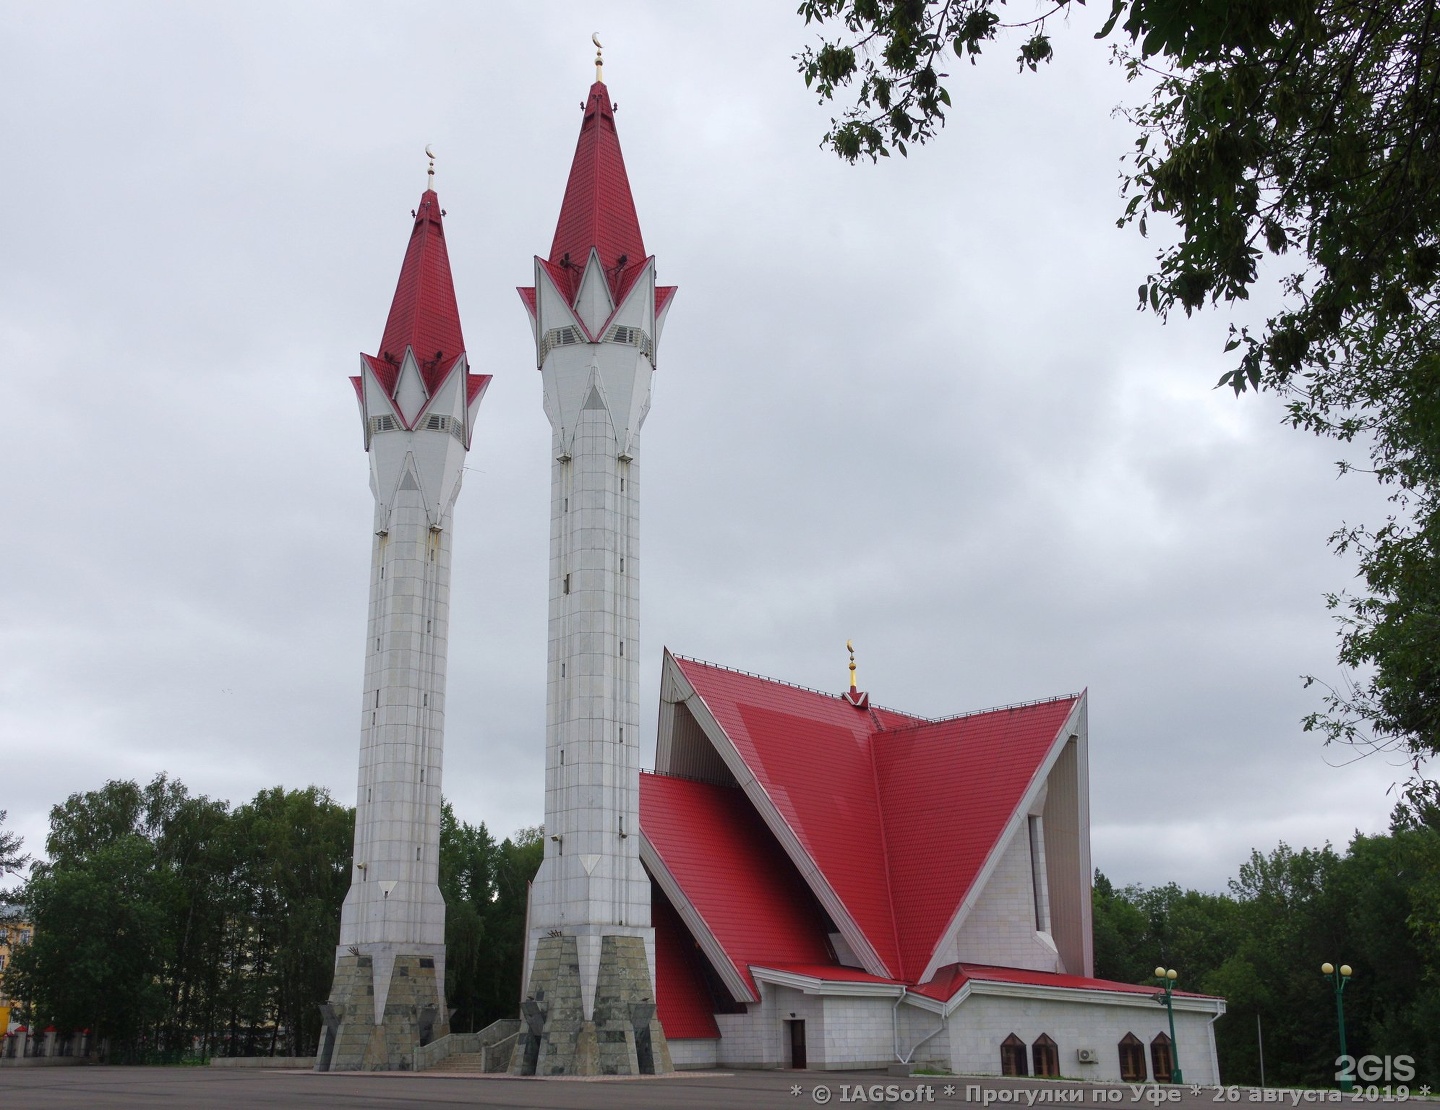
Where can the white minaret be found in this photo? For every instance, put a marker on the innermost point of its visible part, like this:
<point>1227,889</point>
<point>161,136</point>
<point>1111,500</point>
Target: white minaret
<point>417,402</point>
<point>597,315</point>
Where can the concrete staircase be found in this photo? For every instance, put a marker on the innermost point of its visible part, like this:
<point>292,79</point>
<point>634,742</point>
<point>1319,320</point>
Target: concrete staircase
<point>486,1051</point>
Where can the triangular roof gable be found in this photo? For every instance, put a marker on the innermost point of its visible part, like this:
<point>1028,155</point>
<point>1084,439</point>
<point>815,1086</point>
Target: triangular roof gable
<point>803,759</point>
<point>728,880</point>
<point>951,791</point>
<point>865,802</point>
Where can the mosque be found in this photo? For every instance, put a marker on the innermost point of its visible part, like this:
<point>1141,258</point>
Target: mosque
<point>805,879</point>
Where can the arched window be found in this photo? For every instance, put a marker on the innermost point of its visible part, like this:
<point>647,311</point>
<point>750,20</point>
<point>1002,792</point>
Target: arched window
<point>1132,1059</point>
<point>1012,1056</point>
<point>1046,1055</point>
<point>1161,1059</point>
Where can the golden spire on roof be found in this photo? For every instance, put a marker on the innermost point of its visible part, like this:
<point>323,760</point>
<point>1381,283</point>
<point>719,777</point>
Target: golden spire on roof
<point>599,57</point>
<point>850,647</point>
<point>430,175</point>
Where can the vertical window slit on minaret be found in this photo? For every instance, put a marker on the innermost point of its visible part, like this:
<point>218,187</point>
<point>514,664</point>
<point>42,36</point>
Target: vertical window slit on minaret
<point>428,625</point>
<point>622,485</point>
<point>422,774</point>
<point>622,734</point>
<point>562,670</point>
<point>369,793</point>
<point>622,649</point>
<point>377,699</point>
<point>566,584</point>
<point>622,564</point>
<point>417,853</point>
<point>562,757</point>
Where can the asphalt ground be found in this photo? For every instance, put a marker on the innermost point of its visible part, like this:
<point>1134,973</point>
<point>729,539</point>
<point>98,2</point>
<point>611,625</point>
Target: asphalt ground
<point>43,1088</point>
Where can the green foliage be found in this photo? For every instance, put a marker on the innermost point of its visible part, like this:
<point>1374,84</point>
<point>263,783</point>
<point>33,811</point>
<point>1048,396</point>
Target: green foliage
<point>893,48</point>
<point>1261,946</point>
<point>12,859</point>
<point>164,921</point>
<point>485,887</point>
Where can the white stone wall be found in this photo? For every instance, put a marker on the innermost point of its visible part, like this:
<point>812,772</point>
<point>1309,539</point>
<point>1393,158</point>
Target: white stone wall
<point>859,1033</point>
<point>591,882</point>
<point>695,1055</point>
<point>394,904</point>
<point>1000,929</point>
<point>982,1022</point>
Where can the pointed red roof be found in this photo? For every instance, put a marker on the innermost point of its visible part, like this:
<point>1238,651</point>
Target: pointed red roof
<point>423,314</point>
<point>871,796</point>
<point>737,879</point>
<point>598,210</point>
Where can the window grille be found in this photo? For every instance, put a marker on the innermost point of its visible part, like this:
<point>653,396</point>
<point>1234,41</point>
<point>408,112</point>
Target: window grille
<point>635,337</point>
<point>559,337</point>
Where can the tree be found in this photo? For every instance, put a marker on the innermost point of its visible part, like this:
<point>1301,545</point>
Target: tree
<point>12,859</point>
<point>168,922</point>
<point>467,864</point>
<point>1307,131</point>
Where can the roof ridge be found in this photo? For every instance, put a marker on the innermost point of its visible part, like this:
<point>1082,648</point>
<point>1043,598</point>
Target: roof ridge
<point>799,686</point>
<point>928,721</point>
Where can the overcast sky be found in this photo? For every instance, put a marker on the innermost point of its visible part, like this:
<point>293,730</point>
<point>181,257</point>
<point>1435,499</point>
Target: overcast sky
<point>910,404</point>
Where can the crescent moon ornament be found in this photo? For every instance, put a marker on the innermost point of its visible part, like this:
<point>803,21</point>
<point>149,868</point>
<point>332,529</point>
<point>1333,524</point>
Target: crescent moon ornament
<point>599,58</point>
<point>430,154</point>
<point>595,38</point>
<point>430,173</point>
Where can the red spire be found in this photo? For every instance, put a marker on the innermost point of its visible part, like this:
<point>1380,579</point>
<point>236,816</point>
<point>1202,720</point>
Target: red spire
<point>598,210</point>
<point>423,314</point>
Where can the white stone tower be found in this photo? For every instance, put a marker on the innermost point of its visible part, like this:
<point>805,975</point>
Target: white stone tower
<point>417,403</point>
<point>597,315</point>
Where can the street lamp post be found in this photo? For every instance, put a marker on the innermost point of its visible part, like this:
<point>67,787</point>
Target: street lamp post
<point>1167,980</point>
<point>1339,977</point>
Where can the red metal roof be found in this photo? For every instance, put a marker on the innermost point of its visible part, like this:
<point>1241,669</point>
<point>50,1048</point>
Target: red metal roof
<point>898,814</point>
<point>598,210</point>
<point>739,881</point>
<point>682,1000</point>
<point>947,792</point>
<point>948,980</point>
<point>423,313</point>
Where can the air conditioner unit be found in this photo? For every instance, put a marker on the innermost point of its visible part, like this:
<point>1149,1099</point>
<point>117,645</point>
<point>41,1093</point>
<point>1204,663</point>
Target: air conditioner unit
<point>1087,1055</point>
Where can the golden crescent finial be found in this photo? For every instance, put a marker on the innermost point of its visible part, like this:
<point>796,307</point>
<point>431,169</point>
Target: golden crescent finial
<point>430,174</point>
<point>599,58</point>
<point>850,647</point>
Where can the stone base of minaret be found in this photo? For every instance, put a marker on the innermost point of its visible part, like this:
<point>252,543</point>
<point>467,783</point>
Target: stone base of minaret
<point>413,1015</point>
<point>623,1036</point>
